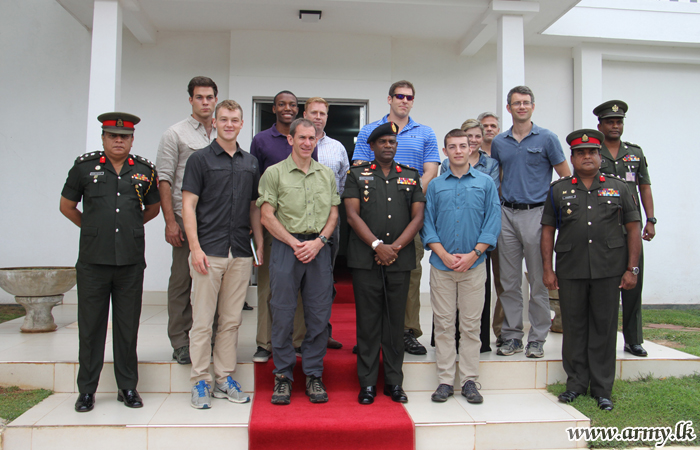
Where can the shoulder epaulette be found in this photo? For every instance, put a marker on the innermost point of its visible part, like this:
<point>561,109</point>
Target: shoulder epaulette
<point>406,166</point>
<point>612,175</point>
<point>88,156</point>
<point>631,144</point>
<point>560,179</point>
<point>145,161</point>
<point>362,164</point>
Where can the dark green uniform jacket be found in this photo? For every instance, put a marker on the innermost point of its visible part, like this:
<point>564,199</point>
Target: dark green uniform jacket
<point>592,241</point>
<point>385,206</point>
<point>112,225</point>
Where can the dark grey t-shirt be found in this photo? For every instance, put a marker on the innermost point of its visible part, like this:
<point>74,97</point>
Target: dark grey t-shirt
<point>225,186</point>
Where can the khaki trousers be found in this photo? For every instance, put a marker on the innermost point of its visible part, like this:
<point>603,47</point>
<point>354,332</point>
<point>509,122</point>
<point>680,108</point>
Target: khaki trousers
<point>498,309</point>
<point>412,319</point>
<point>450,291</point>
<point>224,288</point>
<point>264,334</point>
<point>179,287</point>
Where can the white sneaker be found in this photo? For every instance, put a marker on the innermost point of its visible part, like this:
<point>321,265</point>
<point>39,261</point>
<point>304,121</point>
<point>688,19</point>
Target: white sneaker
<point>201,397</point>
<point>231,390</point>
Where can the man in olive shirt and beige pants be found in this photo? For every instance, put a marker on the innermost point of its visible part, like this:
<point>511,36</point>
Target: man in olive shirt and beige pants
<point>299,207</point>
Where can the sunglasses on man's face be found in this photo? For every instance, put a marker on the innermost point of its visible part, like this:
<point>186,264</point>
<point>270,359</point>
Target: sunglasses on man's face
<point>404,96</point>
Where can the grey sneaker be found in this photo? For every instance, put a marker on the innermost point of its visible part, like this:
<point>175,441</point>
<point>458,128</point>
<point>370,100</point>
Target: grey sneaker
<point>534,350</point>
<point>442,393</point>
<point>471,392</point>
<point>510,347</point>
<point>282,394</point>
<point>182,355</point>
<point>231,390</point>
<point>261,355</point>
<point>316,390</point>
<point>201,396</point>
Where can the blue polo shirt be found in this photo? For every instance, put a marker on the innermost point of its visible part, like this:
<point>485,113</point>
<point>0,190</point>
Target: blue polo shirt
<point>417,144</point>
<point>486,165</point>
<point>527,165</point>
<point>460,213</point>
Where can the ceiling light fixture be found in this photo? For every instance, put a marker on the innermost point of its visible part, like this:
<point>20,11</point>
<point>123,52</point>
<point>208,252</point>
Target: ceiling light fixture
<point>310,16</point>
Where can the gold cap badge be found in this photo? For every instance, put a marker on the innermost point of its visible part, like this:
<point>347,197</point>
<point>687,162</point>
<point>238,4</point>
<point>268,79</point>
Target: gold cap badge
<point>615,108</point>
<point>584,138</point>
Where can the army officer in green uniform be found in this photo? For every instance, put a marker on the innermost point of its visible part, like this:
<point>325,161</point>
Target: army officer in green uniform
<point>384,202</point>
<point>120,194</point>
<point>627,161</point>
<point>597,254</point>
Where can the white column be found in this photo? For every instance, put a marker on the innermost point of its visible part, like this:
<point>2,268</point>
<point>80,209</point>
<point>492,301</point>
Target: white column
<point>105,67</point>
<point>588,85</point>
<point>511,62</point>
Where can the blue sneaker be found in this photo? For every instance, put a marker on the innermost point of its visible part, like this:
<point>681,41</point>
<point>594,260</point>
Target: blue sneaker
<point>201,397</point>
<point>231,390</point>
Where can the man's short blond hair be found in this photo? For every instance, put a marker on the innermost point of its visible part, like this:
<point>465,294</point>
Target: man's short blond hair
<point>318,100</point>
<point>231,105</point>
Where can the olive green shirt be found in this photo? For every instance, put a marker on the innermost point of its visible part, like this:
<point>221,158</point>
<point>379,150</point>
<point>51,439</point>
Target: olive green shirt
<point>630,165</point>
<point>302,201</point>
<point>592,241</point>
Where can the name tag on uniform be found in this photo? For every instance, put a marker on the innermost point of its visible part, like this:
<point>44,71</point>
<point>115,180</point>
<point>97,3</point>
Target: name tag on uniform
<point>631,158</point>
<point>608,193</point>
<point>568,197</point>
<point>409,181</point>
<point>366,178</point>
<point>96,174</point>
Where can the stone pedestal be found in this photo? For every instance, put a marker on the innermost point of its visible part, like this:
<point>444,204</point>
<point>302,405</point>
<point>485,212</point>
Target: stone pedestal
<point>39,318</point>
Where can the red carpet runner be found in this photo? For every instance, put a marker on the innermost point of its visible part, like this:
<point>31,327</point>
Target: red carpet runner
<point>340,424</point>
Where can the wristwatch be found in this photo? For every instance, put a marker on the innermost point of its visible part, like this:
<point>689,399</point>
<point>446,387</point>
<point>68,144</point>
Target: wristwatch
<point>652,220</point>
<point>634,270</point>
<point>323,239</point>
<point>478,252</point>
<point>376,243</point>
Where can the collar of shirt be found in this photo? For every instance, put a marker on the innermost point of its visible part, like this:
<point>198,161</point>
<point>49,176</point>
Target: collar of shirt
<point>380,173</point>
<point>410,125</point>
<point>218,149</point>
<point>275,132</point>
<point>290,165</point>
<point>469,172</point>
<point>535,130</point>
<point>595,185</point>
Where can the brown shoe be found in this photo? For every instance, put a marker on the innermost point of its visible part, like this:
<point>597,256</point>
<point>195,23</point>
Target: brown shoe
<point>332,343</point>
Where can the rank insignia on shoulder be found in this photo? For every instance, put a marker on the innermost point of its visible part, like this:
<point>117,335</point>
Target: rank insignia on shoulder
<point>409,181</point>
<point>145,161</point>
<point>89,156</point>
<point>558,180</point>
<point>631,158</point>
<point>608,192</point>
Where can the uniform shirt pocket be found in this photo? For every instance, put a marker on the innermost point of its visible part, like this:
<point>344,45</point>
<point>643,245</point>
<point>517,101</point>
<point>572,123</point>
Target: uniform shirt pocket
<point>96,186</point>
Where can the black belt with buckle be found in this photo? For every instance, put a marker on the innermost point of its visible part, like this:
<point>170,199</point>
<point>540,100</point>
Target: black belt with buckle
<point>305,237</point>
<point>522,205</point>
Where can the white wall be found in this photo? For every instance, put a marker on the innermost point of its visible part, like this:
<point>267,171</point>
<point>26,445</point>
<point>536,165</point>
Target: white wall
<point>663,120</point>
<point>44,74</point>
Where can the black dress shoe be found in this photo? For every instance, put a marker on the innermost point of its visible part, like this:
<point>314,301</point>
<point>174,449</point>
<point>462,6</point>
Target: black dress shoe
<point>568,396</point>
<point>395,391</point>
<point>354,350</point>
<point>636,350</point>
<point>247,307</point>
<point>366,395</point>
<point>605,403</point>
<point>85,402</point>
<point>130,397</point>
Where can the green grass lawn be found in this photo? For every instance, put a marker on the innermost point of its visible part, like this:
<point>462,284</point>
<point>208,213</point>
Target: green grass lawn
<point>649,401</point>
<point>14,402</point>
<point>10,312</point>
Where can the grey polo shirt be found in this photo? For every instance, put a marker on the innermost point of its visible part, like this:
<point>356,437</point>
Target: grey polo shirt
<point>225,186</point>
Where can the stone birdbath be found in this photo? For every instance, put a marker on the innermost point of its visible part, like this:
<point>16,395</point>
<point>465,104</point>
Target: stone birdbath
<point>38,289</point>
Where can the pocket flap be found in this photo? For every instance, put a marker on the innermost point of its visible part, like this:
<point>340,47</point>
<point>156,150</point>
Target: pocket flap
<point>562,247</point>
<point>138,232</point>
<point>88,231</point>
<point>616,243</point>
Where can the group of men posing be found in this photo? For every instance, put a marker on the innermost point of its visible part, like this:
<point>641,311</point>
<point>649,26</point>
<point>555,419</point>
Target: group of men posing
<point>277,208</point>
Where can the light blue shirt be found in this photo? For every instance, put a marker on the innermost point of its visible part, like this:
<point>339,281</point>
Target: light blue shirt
<point>460,213</point>
<point>486,165</point>
<point>527,165</point>
<point>417,144</point>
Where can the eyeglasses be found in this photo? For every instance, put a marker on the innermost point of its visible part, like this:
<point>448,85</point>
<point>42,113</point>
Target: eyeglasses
<point>517,104</point>
<point>404,96</point>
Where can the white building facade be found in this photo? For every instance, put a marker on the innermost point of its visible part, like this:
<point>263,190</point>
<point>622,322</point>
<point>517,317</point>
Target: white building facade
<point>64,62</point>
